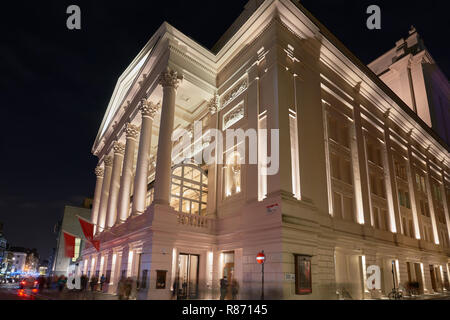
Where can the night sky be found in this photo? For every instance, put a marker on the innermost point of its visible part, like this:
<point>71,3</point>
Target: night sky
<point>55,84</point>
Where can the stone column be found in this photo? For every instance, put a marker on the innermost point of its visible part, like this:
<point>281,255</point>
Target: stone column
<point>99,172</point>
<point>127,173</point>
<point>119,150</point>
<point>169,81</point>
<point>412,190</point>
<point>148,111</point>
<point>444,200</point>
<point>390,180</point>
<point>361,183</point>
<point>105,194</point>
<point>212,168</point>
<point>431,204</point>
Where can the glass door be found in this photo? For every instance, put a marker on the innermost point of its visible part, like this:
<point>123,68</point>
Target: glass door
<point>187,276</point>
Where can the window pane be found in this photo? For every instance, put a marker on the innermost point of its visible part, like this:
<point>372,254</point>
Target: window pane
<point>177,172</point>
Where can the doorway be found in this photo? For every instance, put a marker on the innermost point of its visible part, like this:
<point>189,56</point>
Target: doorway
<point>187,276</point>
<point>228,270</point>
<point>433,278</point>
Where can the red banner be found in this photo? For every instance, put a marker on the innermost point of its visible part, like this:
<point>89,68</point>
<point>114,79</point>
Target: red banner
<point>88,230</point>
<point>96,244</point>
<point>69,245</point>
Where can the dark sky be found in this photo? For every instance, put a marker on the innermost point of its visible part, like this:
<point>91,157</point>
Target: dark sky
<point>55,84</point>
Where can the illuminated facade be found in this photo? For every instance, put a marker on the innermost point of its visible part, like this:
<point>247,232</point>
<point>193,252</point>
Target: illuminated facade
<point>361,182</point>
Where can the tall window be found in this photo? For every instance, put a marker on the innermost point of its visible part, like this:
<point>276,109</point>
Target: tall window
<point>189,189</point>
<point>77,249</point>
<point>303,283</point>
<point>233,174</point>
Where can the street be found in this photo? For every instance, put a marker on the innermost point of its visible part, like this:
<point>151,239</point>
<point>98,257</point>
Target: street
<point>12,292</point>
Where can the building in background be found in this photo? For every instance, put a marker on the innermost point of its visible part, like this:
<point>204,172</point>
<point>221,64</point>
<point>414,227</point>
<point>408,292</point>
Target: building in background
<point>16,261</point>
<point>362,179</point>
<point>69,223</point>
<point>43,269</point>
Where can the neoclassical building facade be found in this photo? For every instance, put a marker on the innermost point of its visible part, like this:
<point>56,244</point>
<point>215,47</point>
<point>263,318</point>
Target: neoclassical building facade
<point>362,180</point>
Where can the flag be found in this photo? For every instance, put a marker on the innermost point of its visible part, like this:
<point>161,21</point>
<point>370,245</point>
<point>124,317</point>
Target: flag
<point>69,245</point>
<point>88,230</point>
<point>96,244</point>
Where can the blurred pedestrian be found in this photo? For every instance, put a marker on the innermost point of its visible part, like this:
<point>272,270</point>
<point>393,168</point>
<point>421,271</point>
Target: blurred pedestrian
<point>234,289</point>
<point>175,290</point>
<point>83,282</point>
<point>223,287</point>
<point>121,288</point>
<point>61,283</point>
<point>93,283</point>
<point>128,287</point>
<point>41,281</point>
<point>102,281</point>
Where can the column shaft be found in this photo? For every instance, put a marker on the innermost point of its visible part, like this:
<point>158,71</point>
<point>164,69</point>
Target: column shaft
<point>412,191</point>
<point>105,194</point>
<point>127,173</point>
<point>148,111</point>
<point>391,185</point>
<point>431,205</point>
<point>360,172</point>
<point>444,200</point>
<point>169,81</point>
<point>119,150</point>
<point>99,172</point>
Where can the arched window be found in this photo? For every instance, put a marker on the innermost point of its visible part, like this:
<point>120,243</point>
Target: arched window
<point>189,189</point>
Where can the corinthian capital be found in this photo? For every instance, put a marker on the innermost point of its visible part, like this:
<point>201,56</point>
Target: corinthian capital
<point>170,78</point>
<point>132,131</point>
<point>148,109</point>
<point>108,161</point>
<point>99,171</point>
<point>119,148</point>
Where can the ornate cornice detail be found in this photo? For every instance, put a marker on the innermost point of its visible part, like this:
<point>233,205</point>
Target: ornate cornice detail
<point>170,78</point>
<point>152,162</point>
<point>108,161</point>
<point>99,172</point>
<point>233,116</point>
<point>148,108</point>
<point>119,148</point>
<point>213,105</point>
<point>132,131</point>
<point>235,92</point>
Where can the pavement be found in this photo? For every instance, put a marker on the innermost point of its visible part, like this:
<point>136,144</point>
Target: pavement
<point>12,292</point>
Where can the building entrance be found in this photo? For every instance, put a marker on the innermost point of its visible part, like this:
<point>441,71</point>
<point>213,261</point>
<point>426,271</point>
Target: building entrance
<point>187,276</point>
<point>228,271</point>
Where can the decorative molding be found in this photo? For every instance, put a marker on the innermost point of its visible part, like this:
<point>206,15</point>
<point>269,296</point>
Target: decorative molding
<point>234,93</point>
<point>233,116</point>
<point>170,78</point>
<point>99,172</point>
<point>213,105</point>
<point>148,108</point>
<point>108,161</point>
<point>119,148</point>
<point>132,131</point>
